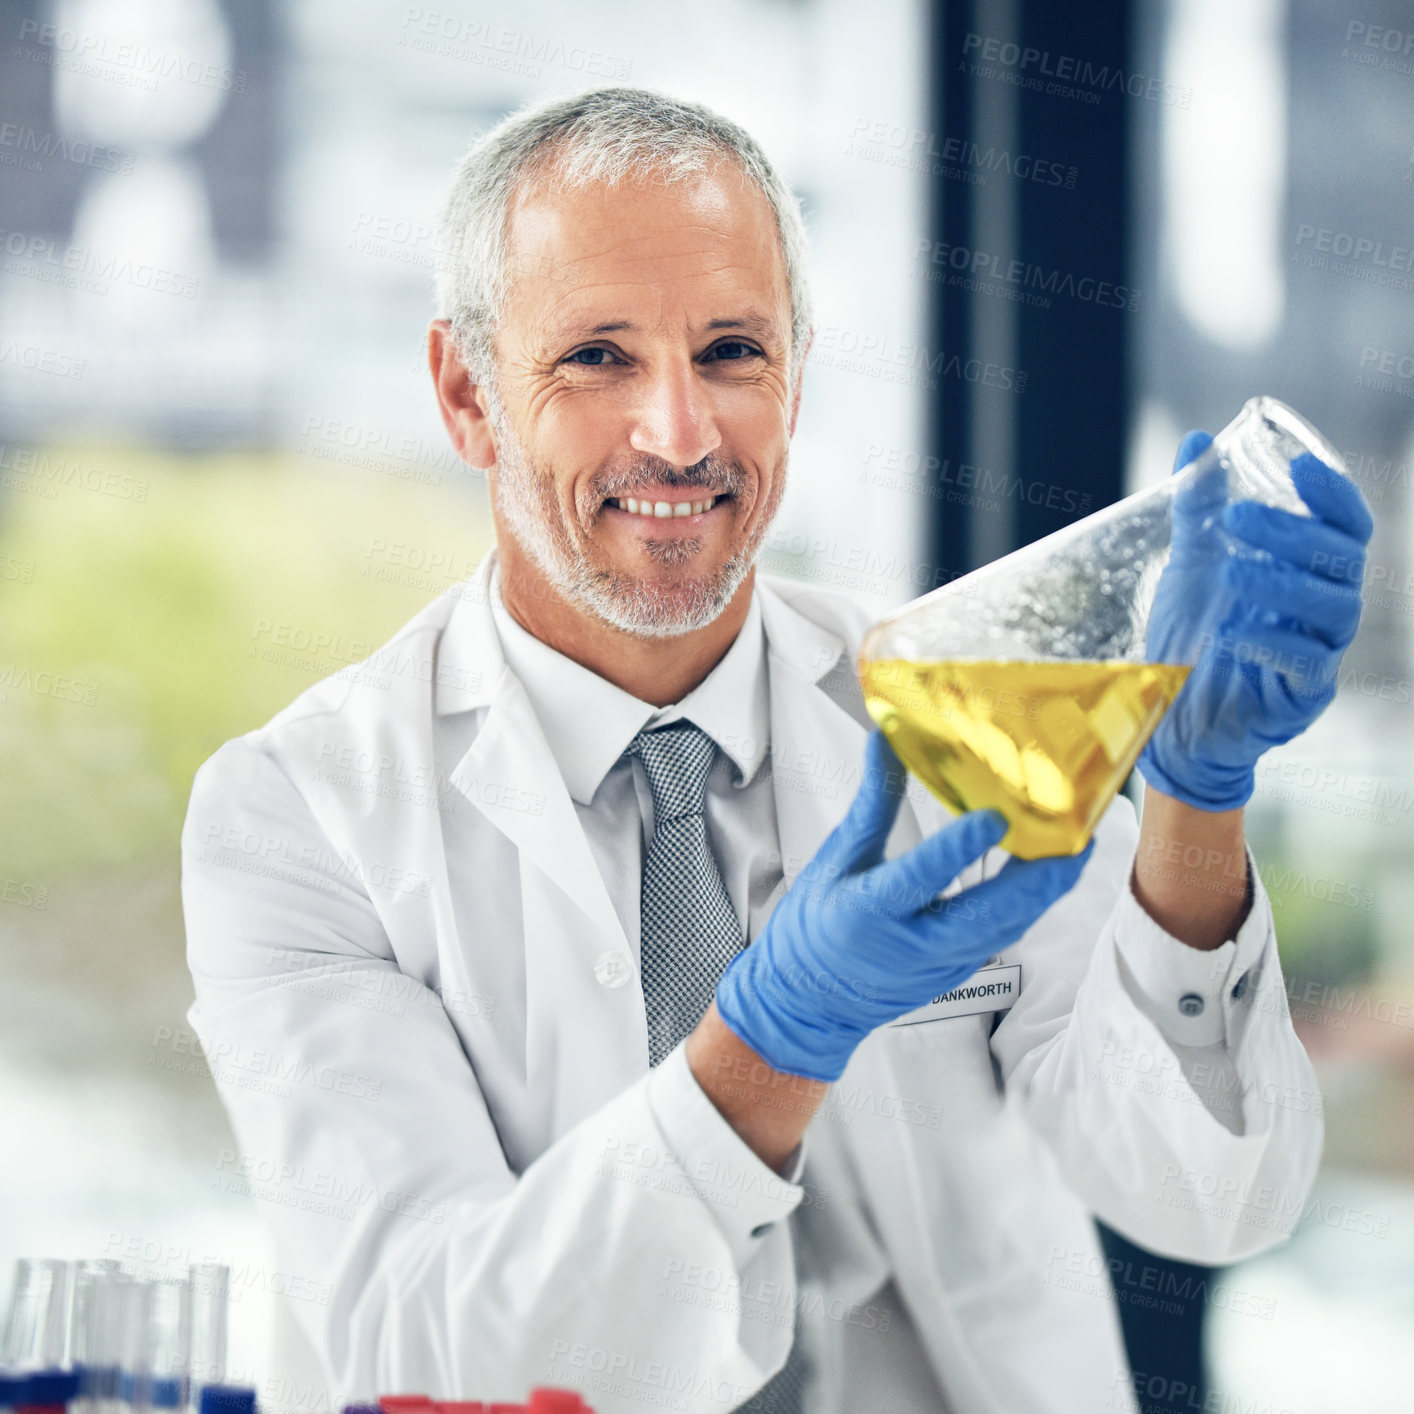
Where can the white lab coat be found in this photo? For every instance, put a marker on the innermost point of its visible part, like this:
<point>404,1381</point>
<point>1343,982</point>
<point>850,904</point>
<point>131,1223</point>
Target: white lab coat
<point>427,1027</point>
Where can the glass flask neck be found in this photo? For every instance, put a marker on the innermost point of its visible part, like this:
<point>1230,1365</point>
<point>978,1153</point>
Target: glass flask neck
<point>1256,450</point>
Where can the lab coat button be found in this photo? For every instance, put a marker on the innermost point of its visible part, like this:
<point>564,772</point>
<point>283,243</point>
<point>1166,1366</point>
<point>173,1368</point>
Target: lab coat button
<point>1239,989</point>
<point>1191,1004</point>
<point>612,968</point>
<point>761,1229</point>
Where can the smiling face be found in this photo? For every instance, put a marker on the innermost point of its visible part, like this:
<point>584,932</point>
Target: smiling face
<point>645,405</point>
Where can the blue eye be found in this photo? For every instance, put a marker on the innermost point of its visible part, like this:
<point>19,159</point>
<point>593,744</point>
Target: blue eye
<point>734,350</point>
<point>589,358</point>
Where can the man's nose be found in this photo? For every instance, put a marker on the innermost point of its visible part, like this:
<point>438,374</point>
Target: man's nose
<point>676,420</point>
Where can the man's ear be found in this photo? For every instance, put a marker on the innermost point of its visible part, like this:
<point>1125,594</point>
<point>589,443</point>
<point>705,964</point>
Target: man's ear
<point>799,381</point>
<point>462,402</point>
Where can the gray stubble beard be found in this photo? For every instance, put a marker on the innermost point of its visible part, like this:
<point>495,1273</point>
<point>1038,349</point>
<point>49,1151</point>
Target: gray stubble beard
<point>524,499</point>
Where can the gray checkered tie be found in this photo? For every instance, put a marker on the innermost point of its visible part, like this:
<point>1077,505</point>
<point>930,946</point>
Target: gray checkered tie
<point>689,933</point>
<point>689,929</point>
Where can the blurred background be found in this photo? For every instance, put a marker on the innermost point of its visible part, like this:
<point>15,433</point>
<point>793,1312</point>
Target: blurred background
<point>1044,245</point>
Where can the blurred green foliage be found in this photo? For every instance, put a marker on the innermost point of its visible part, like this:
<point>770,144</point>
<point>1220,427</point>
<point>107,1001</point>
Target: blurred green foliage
<point>139,625</point>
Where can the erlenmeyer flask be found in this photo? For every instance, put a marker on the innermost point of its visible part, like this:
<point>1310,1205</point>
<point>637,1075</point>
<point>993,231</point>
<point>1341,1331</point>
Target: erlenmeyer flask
<point>1027,686</point>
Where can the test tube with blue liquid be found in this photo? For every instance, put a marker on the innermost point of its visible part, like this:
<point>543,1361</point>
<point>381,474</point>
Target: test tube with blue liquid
<point>210,1292</point>
<point>36,1337</point>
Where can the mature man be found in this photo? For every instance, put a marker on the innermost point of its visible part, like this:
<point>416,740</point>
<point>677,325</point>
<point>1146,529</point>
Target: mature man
<point>518,910</point>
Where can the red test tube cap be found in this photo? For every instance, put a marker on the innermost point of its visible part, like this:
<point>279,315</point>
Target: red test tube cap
<point>556,1401</point>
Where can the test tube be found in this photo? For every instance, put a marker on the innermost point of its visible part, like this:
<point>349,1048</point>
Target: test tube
<point>168,1352</point>
<point>210,1289</point>
<point>38,1320</point>
<point>88,1282</point>
<point>134,1371</point>
<point>35,1334</point>
<point>95,1313</point>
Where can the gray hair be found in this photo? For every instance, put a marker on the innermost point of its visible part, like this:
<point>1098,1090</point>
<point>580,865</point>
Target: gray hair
<point>603,135</point>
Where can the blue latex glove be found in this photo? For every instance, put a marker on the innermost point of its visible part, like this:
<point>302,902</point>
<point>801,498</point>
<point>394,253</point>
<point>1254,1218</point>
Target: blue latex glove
<point>1283,597</point>
<point>856,942</point>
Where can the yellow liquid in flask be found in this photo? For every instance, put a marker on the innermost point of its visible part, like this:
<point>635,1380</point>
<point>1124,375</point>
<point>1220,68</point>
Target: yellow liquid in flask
<point>1046,743</point>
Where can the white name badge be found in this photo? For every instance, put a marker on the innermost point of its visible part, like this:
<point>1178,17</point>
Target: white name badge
<point>990,989</point>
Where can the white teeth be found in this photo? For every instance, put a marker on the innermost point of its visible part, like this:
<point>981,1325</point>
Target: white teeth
<point>664,510</point>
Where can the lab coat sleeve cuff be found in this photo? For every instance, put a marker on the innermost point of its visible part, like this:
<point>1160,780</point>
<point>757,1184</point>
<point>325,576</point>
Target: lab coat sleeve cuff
<point>1196,998</point>
<point>747,1197</point>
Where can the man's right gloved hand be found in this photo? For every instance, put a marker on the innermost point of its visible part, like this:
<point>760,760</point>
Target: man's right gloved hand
<point>857,942</point>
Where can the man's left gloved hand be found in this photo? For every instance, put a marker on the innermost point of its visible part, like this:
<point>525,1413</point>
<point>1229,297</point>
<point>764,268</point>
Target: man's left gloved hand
<point>1268,668</point>
<point>858,940</point>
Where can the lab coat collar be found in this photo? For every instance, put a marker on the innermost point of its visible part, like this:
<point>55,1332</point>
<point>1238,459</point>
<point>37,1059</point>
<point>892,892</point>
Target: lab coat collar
<point>470,663</point>
<point>470,659</point>
<point>481,642</point>
<point>804,648</point>
<point>817,745</point>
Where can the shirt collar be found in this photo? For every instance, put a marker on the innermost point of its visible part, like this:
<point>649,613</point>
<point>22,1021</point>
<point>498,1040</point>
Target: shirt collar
<point>589,722</point>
